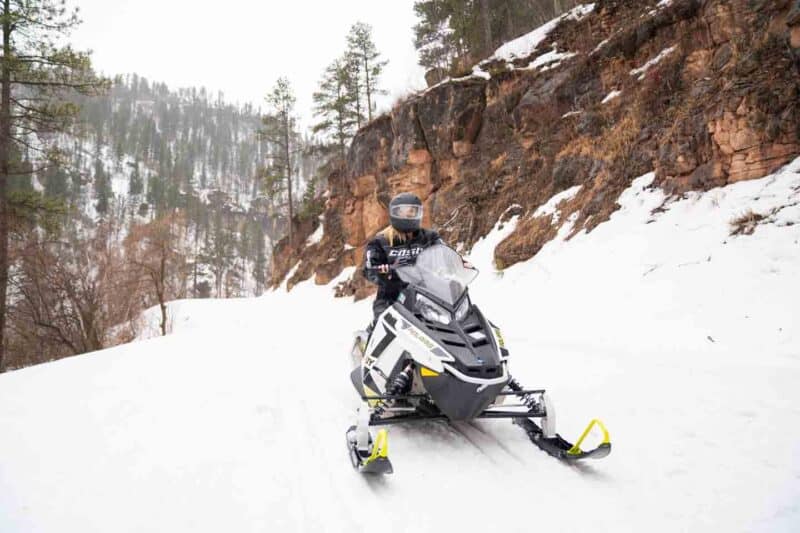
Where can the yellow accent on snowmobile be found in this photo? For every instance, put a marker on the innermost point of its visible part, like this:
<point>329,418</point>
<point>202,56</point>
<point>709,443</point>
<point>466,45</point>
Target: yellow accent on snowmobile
<point>427,372</point>
<point>576,448</point>
<point>369,392</point>
<point>380,447</point>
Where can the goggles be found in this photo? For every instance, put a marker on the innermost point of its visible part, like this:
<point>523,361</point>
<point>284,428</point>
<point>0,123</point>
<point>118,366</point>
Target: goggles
<point>406,211</point>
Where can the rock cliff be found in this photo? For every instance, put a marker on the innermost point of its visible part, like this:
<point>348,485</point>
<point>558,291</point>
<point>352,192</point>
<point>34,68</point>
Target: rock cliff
<point>703,92</point>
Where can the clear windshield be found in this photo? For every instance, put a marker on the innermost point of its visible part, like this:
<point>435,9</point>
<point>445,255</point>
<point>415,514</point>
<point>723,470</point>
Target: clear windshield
<point>440,271</point>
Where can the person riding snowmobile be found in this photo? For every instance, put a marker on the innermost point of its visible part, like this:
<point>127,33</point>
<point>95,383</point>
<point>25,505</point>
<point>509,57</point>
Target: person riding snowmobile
<point>400,243</point>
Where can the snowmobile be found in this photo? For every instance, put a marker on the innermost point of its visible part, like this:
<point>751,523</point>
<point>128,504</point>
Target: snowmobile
<point>432,355</point>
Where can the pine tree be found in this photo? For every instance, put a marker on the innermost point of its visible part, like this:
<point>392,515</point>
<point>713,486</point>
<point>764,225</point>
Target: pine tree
<point>361,46</point>
<point>280,130</point>
<point>452,31</point>
<point>260,264</point>
<point>36,73</point>
<point>102,187</point>
<point>334,103</point>
<point>136,184</point>
<point>356,87</point>
<point>433,37</point>
<point>219,250</point>
<point>55,181</point>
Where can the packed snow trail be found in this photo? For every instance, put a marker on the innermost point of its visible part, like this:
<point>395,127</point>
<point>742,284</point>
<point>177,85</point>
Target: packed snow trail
<point>684,340</point>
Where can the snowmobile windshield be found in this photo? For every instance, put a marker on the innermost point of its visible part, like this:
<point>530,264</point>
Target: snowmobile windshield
<point>439,270</point>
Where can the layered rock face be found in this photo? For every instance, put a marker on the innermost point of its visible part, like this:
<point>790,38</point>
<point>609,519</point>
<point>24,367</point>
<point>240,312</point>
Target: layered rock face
<point>703,92</point>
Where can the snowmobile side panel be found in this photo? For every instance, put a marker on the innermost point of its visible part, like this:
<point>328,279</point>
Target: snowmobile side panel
<point>356,380</point>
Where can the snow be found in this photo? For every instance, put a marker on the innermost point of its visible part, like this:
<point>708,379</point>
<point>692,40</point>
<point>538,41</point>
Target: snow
<point>641,71</point>
<point>525,45</point>
<point>610,96</point>
<point>683,339</point>
<point>600,45</point>
<point>316,237</point>
<point>477,72</point>
<point>290,275</point>
<point>551,206</point>
<point>548,60</point>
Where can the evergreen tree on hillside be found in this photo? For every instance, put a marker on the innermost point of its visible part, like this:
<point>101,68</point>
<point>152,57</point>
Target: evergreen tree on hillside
<point>452,33</point>
<point>102,187</point>
<point>219,250</point>
<point>432,36</point>
<point>36,73</point>
<point>280,130</point>
<point>55,181</point>
<point>369,66</point>
<point>260,264</point>
<point>136,184</point>
<point>355,87</point>
<point>335,104</point>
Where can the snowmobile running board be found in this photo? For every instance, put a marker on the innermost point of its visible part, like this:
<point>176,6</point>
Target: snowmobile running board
<point>562,449</point>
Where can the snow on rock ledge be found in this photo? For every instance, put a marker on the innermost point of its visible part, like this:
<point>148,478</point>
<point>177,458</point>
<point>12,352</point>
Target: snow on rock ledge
<point>524,46</point>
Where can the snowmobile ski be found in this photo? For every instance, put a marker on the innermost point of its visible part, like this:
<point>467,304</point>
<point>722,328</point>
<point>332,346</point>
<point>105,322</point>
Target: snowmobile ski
<point>560,448</point>
<point>376,459</point>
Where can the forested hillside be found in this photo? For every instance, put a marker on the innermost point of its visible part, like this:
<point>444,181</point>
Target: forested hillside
<point>153,194</point>
<point>118,195</point>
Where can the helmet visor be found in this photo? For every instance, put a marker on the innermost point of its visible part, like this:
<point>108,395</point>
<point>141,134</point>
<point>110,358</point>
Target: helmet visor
<point>406,212</point>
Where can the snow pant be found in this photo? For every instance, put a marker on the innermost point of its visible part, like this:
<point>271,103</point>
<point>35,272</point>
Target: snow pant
<point>380,305</point>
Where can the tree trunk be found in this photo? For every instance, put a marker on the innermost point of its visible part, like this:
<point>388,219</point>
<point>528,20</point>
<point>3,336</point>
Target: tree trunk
<point>487,26</point>
<point>368,87</point>
<point>288,155</point>
<point>5,155</point>
<point>196,253</point>
<point>358,100</point>
<point>161,289</point>
<point>510,22</point>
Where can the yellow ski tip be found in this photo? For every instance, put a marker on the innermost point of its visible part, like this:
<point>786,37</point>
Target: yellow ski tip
<point>380,447</point>
<point>382,444</point>
<point>576,448</point>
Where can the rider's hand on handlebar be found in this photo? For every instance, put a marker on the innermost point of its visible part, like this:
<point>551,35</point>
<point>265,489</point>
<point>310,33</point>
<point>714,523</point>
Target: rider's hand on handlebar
<point>383,269</point>
<point>468,265</point>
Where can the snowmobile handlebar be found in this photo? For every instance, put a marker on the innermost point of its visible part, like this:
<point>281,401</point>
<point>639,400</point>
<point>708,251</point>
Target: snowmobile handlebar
<point>390,267</point>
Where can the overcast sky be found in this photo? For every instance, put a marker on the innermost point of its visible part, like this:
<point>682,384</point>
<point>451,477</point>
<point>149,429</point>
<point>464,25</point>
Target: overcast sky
<point>242,46</point>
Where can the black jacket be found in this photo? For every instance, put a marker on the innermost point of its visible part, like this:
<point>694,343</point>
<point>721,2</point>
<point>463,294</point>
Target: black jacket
<point>380,252</point>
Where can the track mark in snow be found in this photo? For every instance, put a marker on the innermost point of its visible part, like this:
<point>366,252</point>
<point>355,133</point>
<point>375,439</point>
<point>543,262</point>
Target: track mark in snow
<point>497,441</point>
<point>456,429</point>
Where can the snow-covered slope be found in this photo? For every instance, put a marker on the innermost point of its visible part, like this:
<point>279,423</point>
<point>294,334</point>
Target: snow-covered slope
<point>683,339</point>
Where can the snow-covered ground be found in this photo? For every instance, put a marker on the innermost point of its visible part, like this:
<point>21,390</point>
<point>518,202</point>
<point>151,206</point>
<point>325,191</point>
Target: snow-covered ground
<point>527,44</point>
<point>683,339</point>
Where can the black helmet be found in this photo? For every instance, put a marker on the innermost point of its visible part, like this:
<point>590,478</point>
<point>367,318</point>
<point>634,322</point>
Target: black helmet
<point>405,212</point>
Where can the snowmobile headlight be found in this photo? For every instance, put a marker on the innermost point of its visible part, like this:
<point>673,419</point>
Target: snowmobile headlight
<point>432,311</point>
<point>463,309</point>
